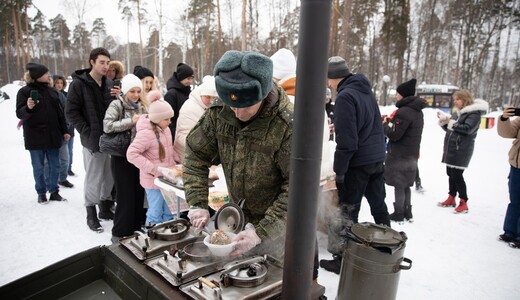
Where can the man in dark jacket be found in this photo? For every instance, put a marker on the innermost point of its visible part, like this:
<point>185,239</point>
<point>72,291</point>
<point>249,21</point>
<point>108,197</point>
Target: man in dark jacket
<point>179,89</point>
<point>44,128</point>
<point>87,100</point>
<point>360,153</point>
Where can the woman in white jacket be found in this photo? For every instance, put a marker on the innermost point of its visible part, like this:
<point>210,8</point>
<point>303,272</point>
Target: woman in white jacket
<point>199,100</point>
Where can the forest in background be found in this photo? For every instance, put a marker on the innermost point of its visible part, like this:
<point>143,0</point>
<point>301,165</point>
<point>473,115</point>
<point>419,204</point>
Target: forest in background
<point>473,44</point>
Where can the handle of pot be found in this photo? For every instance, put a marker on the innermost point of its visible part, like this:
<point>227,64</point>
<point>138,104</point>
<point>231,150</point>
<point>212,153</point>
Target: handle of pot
<point>408,267</point>
<point>208,283</point>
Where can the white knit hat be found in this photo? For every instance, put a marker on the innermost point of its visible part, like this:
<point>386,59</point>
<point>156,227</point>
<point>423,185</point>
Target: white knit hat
<point>284,64</point>
<point>130,81</point>
<point>207,87</point>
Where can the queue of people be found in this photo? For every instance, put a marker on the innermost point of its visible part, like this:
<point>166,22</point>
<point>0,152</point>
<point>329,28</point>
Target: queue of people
<point>241,118</point>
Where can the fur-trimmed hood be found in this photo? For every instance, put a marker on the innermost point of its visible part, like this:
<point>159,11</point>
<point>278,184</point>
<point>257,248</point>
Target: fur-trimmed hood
<point>478,105</point>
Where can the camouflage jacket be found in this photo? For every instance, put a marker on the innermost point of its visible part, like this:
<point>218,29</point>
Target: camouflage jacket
<point>255,159</point>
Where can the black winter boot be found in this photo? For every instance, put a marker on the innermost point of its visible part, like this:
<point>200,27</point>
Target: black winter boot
<point>333,265</point>
<point>105,212</point>
<point>408,213</point>
<point>92,220</point>
<point>42,199</point>
<point>55,196</point>
<point>397,215</point>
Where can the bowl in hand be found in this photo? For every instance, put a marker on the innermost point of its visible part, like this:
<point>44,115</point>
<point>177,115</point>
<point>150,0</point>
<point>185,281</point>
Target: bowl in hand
<point>221,250</point>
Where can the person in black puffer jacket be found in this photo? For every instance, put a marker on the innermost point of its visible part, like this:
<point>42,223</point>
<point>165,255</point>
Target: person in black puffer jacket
<point>404,132</point>
<point>179,89</point>
<point>44,128</point>
<point>459,142</point>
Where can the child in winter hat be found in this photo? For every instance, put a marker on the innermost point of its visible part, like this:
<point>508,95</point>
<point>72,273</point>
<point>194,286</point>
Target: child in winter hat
<point>152,148</point>
<point>159,109</point>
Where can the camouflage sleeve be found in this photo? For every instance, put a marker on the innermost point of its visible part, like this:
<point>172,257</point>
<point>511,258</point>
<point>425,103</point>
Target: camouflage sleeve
<point>201,146</point>
<point>272,226</point>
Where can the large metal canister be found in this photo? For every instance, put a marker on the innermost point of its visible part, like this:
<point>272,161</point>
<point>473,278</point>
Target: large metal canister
<point>372,261</point>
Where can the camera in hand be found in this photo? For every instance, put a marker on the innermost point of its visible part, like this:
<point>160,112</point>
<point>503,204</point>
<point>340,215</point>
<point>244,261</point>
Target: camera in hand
<point>517,111</point>
<point>34,96</point>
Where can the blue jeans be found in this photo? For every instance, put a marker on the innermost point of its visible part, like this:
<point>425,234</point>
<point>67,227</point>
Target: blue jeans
<point>38,160</point>
<point>64,163</point>
<point>158,211</point>
<point>512,218</point>
<point>70,146</point>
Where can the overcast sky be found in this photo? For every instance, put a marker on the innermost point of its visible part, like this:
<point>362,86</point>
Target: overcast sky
<point>108,10</point>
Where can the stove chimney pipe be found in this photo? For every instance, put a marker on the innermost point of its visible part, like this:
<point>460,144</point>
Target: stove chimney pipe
<point>309,113</point>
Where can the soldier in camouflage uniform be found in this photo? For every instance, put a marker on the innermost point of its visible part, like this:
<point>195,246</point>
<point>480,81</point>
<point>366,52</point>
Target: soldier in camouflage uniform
<point>249,132</point>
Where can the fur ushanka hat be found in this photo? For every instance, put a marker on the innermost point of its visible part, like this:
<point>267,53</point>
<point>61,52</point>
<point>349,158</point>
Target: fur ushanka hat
<point>243,79</point>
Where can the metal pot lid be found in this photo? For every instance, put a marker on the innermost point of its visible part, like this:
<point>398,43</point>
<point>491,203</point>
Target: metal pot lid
<point>170,231</point>
<point>249,272</point>
<point>230,218</point>
<point>375,235</point>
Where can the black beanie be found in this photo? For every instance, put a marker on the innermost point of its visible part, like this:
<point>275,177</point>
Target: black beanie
<point>183,71</point>
<point>337,68</point>
<point>36,70</point>
<point>406,89</point>
<point>142,72</point>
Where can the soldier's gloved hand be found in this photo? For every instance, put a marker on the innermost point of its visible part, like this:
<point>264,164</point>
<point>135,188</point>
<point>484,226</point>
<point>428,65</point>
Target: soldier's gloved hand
<point>199,217</point>
<point>246,240</point>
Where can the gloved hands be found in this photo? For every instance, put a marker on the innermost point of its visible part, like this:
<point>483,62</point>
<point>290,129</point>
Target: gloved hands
<point>246,240</point>
<point>199,217</point>
<point>443,118</point>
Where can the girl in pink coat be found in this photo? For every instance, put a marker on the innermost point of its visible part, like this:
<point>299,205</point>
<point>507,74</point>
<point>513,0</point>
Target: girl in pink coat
<point>151,148</point>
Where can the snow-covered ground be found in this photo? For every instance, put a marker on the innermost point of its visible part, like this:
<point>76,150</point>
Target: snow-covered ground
<point>454,256</point>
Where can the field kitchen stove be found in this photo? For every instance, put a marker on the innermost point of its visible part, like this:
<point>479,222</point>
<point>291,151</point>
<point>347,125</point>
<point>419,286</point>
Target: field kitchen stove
<point>175,252</point>
<point>170,236</point>
<point>255,277</point>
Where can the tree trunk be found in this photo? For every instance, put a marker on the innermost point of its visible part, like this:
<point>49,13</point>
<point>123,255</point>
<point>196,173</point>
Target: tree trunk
<point>207,42</point>
<point>428,38</point>
<point>28,44</point>
<point>7,52</point>
<point>244,25</point>
<point>459,53</point>
<point>506,56</point>
<point>20,33</point>
<point>17,42</point>
<point>161,45</point>
<point>334,29</point>
<point>345,30</point>
<point>140,35</point>
<point>219,31</point>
